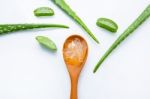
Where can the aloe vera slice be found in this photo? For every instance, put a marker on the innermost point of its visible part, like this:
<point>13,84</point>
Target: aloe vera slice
<point>107,24</point>
<point>47,42</point>
<point>43,11</point>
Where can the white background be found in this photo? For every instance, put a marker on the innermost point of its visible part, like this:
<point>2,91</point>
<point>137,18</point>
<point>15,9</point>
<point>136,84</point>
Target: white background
<point>28,71</point>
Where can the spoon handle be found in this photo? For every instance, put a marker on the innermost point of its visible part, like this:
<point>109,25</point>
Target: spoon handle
<point>74,88</point>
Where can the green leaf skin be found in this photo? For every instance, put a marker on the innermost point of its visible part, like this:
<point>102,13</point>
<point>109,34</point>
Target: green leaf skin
<point>107,24</point>
<point>145,15</point>
<point>7,28</point>
<point>63,5</point>
<point>43,11</point>
<point>48,43</point>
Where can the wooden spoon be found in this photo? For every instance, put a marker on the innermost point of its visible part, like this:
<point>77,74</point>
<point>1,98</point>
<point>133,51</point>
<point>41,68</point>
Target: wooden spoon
<point>75,51</point>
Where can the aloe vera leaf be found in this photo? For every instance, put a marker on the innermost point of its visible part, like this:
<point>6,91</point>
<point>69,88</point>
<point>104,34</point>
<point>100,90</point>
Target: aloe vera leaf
<point>7,28</point>
<point>65,7</point>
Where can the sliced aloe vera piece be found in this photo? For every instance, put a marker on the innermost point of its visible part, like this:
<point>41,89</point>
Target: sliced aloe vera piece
<point>107,24</point>
<point>46,42</point>
<point>43,11</point>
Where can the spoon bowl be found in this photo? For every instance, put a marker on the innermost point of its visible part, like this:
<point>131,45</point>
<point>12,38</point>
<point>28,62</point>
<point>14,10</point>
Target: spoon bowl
<point>75,51</point>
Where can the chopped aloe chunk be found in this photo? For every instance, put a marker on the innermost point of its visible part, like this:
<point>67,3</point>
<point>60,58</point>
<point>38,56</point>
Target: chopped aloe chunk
<point>43,11</point>
<point>107,24</point>
<point>46,42</point>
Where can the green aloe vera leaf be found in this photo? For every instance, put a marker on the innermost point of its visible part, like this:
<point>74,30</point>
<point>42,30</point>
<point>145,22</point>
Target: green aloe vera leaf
<point>8,28</point>
<point>65,7</point>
